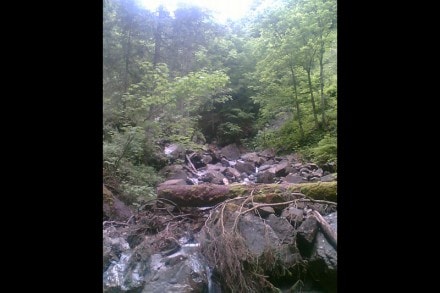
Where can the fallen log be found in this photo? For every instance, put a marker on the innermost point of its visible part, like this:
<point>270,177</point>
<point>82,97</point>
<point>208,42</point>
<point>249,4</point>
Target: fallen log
<point>211,194</point>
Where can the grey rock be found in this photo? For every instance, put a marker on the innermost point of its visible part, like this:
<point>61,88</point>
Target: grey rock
<point>253,158</point>
<point>330,177</point>
<point>323,263</point>
<point>267,153</point>
<point>282,228</point>
<point>293,215</point>
<point>245,167</point>
<point>266,211</point>
<point>265,177</point>
<point>175,151</point>
<point>173,172</point>
<point>306,235</point>
<point>174,182</point>
<point>294,178</point>
<point>231,152</point>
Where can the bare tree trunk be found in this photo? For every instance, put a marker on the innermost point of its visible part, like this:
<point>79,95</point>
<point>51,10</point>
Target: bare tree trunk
<point>309,79</point>
<point>127,56</point>
<point>321,78</point>
<point>295,91</point>
<point>158,36</point>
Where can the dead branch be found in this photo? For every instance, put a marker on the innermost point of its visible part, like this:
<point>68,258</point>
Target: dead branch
<point>327,230</point>
<point>191,164</point>
<point>250,197</point>
<point>190,170</point>
<point>114,223</point>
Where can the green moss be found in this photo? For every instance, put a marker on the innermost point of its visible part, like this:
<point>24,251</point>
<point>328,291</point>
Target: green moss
<point>237,190</point>
<point>269,197</point>
<point>319,190</point>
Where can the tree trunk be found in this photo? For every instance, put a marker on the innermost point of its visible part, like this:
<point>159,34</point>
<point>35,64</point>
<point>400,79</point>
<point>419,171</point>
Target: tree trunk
<point>127,54</point>
<point>321,77</point>
<point>309,79</point>
<point>212,194</point>
<point>295,91</point>
<point>158,36</point>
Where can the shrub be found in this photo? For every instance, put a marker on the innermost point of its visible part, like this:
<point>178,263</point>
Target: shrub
<point>325,151</point>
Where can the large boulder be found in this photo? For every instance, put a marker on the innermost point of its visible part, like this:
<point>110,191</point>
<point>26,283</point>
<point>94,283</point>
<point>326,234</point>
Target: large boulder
<point>294,178</point>
<point>113,208</point>
<point>253,158</point>
<point>174,182</point>
<point>323,263</point>
<point>265,177</point>
<point>231,152</point>
<point>245,167</point>
<point>175,151</point>
<point>174,172</point>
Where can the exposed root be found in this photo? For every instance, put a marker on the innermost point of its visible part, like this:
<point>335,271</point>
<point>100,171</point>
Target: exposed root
<point>226,250</point>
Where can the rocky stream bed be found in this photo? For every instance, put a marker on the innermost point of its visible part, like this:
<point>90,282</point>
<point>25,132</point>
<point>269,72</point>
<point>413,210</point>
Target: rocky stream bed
<point>226,221</point>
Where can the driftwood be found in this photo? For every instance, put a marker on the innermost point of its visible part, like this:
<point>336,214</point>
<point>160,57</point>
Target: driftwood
<point>212,194</point>
<point>327,230</point>
<point>191,165</point>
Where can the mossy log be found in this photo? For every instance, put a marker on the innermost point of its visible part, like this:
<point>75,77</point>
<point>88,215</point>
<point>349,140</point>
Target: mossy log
<point>211,194</point>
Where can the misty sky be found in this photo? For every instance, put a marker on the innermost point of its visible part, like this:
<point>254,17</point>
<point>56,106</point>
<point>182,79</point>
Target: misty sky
<point>223,9</point>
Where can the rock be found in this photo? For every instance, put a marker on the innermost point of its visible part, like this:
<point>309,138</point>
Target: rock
<point>253,158</point>
<point>231,152</point>
<point>231,173</point>
<point>245,167</point>
<point>268,163</point>
<point>329,167</point>
<point>173,172</point>
<point>216,167</point>
<point>294,178</point>
<point>175,151</point>
<point>283,229</point>
<point>224,162</point>
<point>298,165</point>
<point>264,168</point>
<point>265,177</point>
<point>215,177</point>
<point>129,272</point>
<point>293,215</point>
<point>312,166</point>
<point>265,211</point>
<point>273,236</point>
<point>329,178</point>
<point>178,268</point>
<point>306,236</point>
<point>199,160</point>
<point>257,235</point>
<point>180,272</point>
<point>174,182</point>
<point>304,170</point>
<point>207,159</point>
<point>279,169</point>
<point>113,208</point>
<point>318,172</point>
<point>323,263</point>
<point>267,153</point>
<point>113,247</point>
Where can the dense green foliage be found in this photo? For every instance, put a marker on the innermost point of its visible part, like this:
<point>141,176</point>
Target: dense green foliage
<point>266,81</point>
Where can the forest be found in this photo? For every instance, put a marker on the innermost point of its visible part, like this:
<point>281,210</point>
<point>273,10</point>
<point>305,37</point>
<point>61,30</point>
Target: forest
<point>266,81</point>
